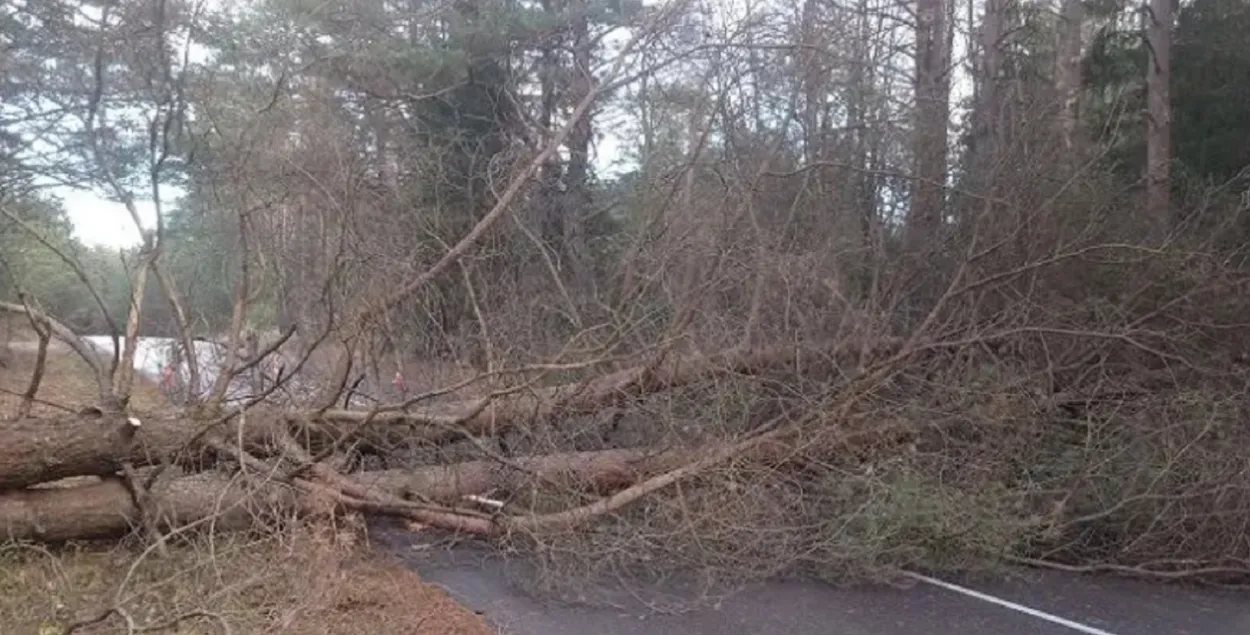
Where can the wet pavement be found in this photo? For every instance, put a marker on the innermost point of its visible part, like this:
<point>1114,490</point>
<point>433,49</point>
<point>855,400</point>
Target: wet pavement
<point>1030,603</point>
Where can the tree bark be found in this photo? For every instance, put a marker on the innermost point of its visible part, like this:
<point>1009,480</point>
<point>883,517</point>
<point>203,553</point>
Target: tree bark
<point>578,204</point>
<point>601,471</point>
<point>1068,69</point>
<point>36,451</point>
<point>124,378</point>
<point>107,510</point>
<point>1159,114</point>
<point>987,132</point>
<point>932,88</point>
<point>39,450</point>
<point>484,416</point>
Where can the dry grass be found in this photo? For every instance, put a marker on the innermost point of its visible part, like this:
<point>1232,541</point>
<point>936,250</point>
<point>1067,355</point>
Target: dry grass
<point>67,384</point>
<point>301,580</point>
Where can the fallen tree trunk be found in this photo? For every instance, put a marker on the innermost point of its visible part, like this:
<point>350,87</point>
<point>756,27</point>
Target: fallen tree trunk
<point>601,471</point>
<point>40,450</point>
<point>491,415</point>
<point>107,510</point>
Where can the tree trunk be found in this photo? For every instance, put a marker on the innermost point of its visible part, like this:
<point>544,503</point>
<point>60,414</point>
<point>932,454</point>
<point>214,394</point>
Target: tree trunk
<point>107,510</point>
<point>484,416</point>
<point>124,379</point>
<point>987,131</point>
<point>1068,69</point>
<point>932,88</point>
<point>1159,114</point>
<point>36,451</point>
<point>577,209</point>
<point>601,471</point>
<point>89,355</point>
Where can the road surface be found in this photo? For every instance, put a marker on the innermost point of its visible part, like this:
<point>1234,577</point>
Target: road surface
<point>1035,603</point>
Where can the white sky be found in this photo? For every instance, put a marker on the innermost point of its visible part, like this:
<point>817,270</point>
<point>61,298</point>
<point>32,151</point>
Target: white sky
<point>100,222</point>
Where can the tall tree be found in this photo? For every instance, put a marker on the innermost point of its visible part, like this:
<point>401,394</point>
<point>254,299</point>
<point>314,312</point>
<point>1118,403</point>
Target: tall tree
<point>1068,67</point>
<point>932,94</point>
<point>1159,17</point>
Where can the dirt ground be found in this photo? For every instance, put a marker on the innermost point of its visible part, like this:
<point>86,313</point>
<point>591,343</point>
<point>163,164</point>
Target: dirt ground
<point>67,384</point>
<point>305,580</point>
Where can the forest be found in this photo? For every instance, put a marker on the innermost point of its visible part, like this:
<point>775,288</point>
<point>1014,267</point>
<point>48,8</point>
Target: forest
<point>739,286</point>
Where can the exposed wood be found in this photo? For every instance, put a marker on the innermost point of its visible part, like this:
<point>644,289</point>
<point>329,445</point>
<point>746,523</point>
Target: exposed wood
<point>46,449</point>
<point>41,450</point>
<point>106,509</point>
<point>485,415</point>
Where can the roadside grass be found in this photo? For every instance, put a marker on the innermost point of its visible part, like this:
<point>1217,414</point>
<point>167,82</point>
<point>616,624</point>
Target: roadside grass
<point>302,579</point>
<point>67,383</point>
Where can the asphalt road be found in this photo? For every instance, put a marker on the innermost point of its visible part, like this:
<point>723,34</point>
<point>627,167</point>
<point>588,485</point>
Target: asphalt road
<point>1092,605</point>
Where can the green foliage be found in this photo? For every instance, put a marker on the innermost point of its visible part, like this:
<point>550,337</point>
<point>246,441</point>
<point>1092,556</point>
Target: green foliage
<point>1114,75</point>
<point>200,257</point>
<point>1210,86</point>
<point>916,521</point>
<point>31,265</point>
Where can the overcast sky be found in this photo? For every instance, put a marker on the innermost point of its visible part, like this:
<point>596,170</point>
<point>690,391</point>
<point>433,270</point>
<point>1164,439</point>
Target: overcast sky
<point>104,223</point>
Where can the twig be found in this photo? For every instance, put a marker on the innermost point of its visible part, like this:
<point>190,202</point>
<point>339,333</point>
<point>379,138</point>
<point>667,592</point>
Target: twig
<point>1139,571</point>
<point>44,402</point>
<point>67,335</point>
<point>143,503</point>
<point>41,358</point>
<point>189,615</point>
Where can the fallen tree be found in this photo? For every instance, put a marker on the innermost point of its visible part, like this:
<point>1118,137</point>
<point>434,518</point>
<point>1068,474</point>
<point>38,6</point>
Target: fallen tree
<point>517,406</point>
<point>108,508</point>
<point>39,450</point>
<point>110,445</point>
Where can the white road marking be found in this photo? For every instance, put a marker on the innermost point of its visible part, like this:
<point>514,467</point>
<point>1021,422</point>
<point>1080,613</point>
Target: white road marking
<point>1055,619</point>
